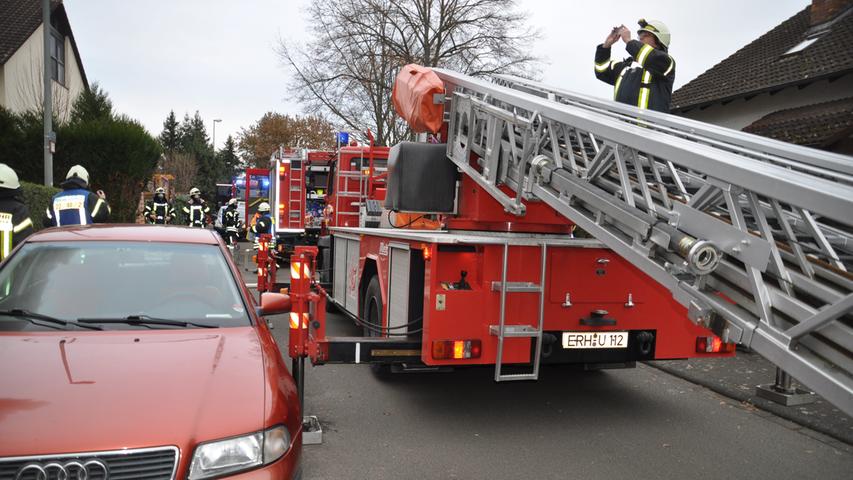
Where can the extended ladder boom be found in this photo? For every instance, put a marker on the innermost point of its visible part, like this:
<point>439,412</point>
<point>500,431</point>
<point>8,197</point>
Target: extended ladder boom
<point>753,236</point>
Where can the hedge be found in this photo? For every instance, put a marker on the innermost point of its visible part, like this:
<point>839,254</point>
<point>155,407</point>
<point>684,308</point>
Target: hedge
<point>37,198</point>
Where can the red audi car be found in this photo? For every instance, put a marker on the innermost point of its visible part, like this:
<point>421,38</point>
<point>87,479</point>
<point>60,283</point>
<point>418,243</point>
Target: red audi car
<point>130,352</point>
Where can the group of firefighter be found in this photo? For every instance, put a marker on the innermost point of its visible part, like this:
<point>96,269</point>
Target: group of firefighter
<point>76,204</point>
<point>644,79</point>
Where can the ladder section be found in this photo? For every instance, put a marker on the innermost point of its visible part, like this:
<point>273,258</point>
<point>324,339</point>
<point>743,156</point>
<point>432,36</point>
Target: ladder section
<point>504,331</point>
<point>295,198</point>
<point>752,236</point>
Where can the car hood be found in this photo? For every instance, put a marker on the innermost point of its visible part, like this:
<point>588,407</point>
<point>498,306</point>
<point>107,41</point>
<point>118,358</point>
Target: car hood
<point>94,391</point>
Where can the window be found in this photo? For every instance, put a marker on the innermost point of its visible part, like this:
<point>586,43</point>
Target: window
<point>103,279</point>
<point>57,58</point>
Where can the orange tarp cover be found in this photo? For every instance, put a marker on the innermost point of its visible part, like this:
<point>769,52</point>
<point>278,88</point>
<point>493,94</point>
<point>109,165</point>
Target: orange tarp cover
<point>413,98</point>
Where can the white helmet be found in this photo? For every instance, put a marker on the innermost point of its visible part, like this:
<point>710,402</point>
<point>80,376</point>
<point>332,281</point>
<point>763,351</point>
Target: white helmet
<point>264,207</point>
<point>233,201</point>
<point>656,28</point>
<point>8,178</point>
<point>195,191</point>
<point>77,171</point>
<point>159,191</point>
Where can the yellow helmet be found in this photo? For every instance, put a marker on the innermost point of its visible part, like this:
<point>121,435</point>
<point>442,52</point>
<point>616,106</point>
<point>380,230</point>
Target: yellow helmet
<point>656,28</point>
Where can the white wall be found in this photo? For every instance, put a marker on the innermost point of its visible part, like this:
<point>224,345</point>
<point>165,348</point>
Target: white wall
<point>740,113</point>
<point>22,85</point>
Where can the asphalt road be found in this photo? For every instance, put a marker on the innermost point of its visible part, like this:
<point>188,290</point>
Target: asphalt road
<point>638,423</point>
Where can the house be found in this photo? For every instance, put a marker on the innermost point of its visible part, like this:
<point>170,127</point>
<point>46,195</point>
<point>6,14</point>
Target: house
<point>22,54</point>
<point>794,83</point>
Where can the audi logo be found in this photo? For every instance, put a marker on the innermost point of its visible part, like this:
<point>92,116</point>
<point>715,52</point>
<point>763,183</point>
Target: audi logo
<point>72,470</point>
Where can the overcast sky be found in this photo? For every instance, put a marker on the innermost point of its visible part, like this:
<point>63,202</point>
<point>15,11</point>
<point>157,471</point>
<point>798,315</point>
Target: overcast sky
<point>217,56</point>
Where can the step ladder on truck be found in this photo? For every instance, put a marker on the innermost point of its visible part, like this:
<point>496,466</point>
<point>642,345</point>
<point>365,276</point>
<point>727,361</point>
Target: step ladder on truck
<point>695,238</point>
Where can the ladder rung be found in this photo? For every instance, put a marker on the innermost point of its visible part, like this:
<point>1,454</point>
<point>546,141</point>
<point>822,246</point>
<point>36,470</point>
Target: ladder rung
<point>517,287</point>
<point>514,331</point>
<point>518,376</point>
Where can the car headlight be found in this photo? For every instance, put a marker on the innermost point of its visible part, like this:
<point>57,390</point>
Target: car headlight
<point>236,454</point>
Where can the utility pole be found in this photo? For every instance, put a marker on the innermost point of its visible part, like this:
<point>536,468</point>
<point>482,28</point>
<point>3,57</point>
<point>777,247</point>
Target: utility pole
<point>49,137</point>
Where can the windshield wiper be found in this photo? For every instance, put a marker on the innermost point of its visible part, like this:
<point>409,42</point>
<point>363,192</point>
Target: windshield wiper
<point>28,315</point>
<point>145,321</point>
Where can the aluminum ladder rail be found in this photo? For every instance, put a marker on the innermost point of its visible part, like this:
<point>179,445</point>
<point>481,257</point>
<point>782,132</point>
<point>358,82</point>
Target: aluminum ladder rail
<point>824,164</point>
<point>738,234</point>
<point>504,331</point>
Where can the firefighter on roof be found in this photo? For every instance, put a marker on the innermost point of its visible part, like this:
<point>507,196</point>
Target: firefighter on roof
<point>15,222</point>
<point>159,211</point>
<point>644,79</point>
<point>196,209</point>
<point>75,204</point>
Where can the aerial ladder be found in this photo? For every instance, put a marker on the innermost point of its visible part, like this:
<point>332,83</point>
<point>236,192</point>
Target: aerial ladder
<point>754,237</point>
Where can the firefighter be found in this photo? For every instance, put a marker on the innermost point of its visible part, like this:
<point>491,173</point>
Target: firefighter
<point>231,222</point>
<point>159,211</point>
<point>648,85</point>
<point>75,204</point>
<point>263,224</point>
<point>15,222</point>
<point>196,209</point>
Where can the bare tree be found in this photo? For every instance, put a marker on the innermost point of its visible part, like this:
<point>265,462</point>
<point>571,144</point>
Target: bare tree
<point>358,46</point>
<point>184,166</point>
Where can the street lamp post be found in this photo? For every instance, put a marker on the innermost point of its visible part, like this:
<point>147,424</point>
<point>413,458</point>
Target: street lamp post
<point>215,121</point>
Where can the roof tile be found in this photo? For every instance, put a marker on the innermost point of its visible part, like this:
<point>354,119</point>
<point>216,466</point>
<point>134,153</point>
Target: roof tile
<point>762,65</point>
<point>816,125</point>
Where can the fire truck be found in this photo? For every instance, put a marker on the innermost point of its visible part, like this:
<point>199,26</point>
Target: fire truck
<point>311,190</point>
<point>580,231</point>
<point>250,189</point>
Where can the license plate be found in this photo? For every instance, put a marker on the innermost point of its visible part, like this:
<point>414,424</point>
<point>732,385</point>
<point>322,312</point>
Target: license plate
<point>586,340</point>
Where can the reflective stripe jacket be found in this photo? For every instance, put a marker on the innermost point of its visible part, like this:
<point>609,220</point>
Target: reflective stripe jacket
<point>15,224</point>
<point>163,212</point>
<point>196,213</point>
<point>231,220</point>
<point>262,225</point>
<point>647,85</point>
<point>76,206</point>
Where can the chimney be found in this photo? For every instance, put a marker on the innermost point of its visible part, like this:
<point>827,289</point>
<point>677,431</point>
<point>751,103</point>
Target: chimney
<point>824,10</point>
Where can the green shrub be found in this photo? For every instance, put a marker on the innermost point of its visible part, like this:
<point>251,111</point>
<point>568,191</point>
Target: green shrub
<point>37,198</point>
<point>119,155</point>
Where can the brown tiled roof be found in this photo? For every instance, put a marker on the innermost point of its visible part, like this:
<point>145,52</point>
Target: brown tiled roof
<point>762,66</point>
<point>817,125</point>
<point>20,18</point>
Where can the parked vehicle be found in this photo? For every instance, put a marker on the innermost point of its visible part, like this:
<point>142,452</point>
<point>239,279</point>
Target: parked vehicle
<point>137,352</point>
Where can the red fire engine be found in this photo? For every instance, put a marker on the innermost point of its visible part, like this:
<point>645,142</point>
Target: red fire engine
<point>578,231</point>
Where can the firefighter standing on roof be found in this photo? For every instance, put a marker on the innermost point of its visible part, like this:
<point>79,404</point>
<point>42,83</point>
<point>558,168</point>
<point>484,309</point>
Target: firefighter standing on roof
<point>15,222</point>
<point>196,209</point>
<point>649,84</point>
<point>75,204</point>
<point>159,211</point>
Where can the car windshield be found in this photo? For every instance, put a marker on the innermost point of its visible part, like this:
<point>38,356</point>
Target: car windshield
<point>115,280</point>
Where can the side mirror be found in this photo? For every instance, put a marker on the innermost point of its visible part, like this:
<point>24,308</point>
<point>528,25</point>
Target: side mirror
<point>274,303</point>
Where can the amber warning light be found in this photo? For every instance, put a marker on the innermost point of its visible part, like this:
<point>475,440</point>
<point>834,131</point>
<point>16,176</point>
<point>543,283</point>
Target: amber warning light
<point>456,349</point>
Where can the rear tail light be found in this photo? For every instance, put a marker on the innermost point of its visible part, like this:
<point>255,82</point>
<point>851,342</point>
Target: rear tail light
<point>713,344</point>
<point>456,349</point>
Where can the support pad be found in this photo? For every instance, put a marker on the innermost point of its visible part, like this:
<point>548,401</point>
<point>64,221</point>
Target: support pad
<point>797,397</point>
<point>312,431</point>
